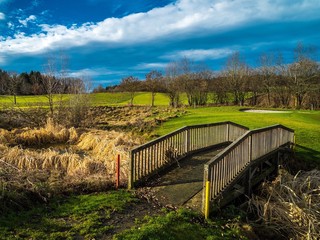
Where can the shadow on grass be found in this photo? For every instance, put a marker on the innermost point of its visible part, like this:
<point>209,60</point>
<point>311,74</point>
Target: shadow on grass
<point>304,159</point>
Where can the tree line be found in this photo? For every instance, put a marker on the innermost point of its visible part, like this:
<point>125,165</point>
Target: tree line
<point>36,83</point>
<point>274,83</point>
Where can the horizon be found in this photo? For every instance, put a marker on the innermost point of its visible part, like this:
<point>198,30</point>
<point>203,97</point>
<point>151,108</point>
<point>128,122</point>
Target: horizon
<point>107,41</point>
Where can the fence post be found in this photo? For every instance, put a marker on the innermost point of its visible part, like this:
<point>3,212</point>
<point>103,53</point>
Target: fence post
<point>207,201</point>
<point>131,171</point>
<point>250,148</point>
<point>187,142</point>
<point>228,132</point>
<point>118,171</point>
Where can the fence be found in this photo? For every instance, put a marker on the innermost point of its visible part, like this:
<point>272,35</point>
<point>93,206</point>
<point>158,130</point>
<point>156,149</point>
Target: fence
<point>223,168</point>
<point>147,159</point>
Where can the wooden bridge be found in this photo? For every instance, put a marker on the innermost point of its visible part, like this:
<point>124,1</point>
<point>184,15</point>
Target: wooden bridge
<point>247,158</point>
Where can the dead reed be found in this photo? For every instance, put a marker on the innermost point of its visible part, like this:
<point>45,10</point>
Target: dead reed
<point>290,205</point>
<point>79,156</point>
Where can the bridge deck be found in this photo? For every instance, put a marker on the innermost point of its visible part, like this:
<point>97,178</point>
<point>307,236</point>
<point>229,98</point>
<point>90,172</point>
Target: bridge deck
<point>183,185</point>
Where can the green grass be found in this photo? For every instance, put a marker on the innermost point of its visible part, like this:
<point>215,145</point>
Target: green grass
<point>30,101</point>
<point>75,217</point>
<point>96,99</point>
<point>180,225</point>
<point>140,98</point>
<point>306,125</point>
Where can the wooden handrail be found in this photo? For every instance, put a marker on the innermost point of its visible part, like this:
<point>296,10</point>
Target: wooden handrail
<point>221,170</point>
<point>148,158</point>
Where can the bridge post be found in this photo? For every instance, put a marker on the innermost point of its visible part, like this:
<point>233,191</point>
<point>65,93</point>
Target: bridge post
<point>207,201</point>
<point>187,140</point>
<point>228,132</point>
<point>131,171</point>
<point>248,187</point>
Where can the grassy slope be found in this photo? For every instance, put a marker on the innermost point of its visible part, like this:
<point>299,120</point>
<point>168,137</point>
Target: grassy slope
<point>97,99</point>
<point>306,124</point>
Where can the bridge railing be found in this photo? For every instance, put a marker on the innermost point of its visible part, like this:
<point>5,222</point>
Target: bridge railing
<point>224,167</point>
<point>147,159</point>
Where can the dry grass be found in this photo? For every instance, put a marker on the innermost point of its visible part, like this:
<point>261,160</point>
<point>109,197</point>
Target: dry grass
<point>104,148</point>
<point>49,134</point>
<point>291,205</point>
<point>94,152</point>
<point>71,161</point>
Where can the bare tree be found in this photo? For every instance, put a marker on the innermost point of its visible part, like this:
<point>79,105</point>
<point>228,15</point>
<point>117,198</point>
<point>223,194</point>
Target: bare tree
<point>267,73</point>
<point>4,79</point>
<point>131,85</point>
<point>281,89</point>
<point>14,85</point>
<point>219,89</point>
<point>50,83</point>
<point>196,86</point>
<point>154,84</point>
<point>172,84</point>
<point>302,73</point>
<point>236,74</point>
<point>255,86</point>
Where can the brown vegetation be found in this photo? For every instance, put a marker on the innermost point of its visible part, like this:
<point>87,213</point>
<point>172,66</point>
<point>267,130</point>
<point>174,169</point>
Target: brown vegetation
<point>290,206</point>
<point>38,163</point>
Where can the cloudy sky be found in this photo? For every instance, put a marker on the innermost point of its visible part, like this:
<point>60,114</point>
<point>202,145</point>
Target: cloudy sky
<point>106,40</point>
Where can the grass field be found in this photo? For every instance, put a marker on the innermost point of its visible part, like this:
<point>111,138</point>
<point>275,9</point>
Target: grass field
<point>90,216</point>
<point>306,124</point>
<point>97,99</point>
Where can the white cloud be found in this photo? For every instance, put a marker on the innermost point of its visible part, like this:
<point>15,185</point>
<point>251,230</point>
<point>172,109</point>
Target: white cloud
<point>183,17</point>
<point>199,54</point>
<point>144,66</point>
<point>2,16</point>
<point>25,22</point>
<point>10,25</point>
<point>93,72</point>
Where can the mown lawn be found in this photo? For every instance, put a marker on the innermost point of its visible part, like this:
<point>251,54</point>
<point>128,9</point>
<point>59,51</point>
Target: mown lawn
<point>306,125</point>
<point>96,99</point>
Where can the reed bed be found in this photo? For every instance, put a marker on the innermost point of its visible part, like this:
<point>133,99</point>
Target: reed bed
<point>290,205</point>
<point>49,134</point>
<point>53,160</point>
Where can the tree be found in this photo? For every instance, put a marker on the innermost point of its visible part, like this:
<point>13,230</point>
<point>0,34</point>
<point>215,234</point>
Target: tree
<point>255,86</point>
<point>14,85</point>
<point>219,89</point>
<point>4,80</point>
<point>99,89</point>
<point>302,73</point>
<point>196,87</point>
<point>154,84</point>
<point>130,84</point>
<point>281,89</point>
<point>172,84</point>
<point>266,72</point>
<point>236,74</point>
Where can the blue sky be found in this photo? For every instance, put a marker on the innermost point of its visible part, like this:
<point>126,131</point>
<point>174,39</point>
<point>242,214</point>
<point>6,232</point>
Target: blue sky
<point>106,40</point>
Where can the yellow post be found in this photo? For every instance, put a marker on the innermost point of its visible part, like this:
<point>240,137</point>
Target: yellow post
<point>207,203</point>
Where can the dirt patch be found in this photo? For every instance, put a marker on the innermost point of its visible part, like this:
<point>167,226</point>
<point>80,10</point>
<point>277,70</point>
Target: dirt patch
<point>131,119</point>
<point>126,219</point>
